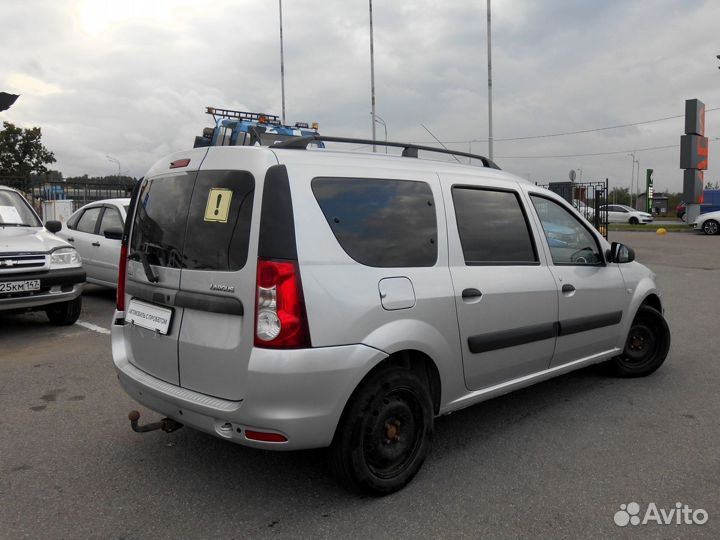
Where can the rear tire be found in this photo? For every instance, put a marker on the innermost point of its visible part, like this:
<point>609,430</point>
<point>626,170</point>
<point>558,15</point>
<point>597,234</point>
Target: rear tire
<point>64,313</point>
<point>711,227</point>
<point>647,345</point>
<point>634,221</point>
<point>384,433</point>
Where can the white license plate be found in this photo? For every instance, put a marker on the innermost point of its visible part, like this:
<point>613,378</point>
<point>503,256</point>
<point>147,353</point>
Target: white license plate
<point>149,316</point>
<point>19,286</point>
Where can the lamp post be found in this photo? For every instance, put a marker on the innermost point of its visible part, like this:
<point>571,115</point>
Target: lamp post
<point>632,177</point>
<point>384,125</point>
<point>372,76</point>
<point>115,161</point>
<point>490,133</point>
<point>282,64</point>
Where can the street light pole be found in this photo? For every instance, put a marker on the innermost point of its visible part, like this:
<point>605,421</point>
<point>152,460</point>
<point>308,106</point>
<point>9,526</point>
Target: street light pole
<point>372,76</point>
<point>632,176</point>
<point>116,161</point>
<point>282,64</point>
<point>489,50</point>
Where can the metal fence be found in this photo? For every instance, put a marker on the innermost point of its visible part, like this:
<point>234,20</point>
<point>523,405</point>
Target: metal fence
<point>80,193</point>
<point>589,198</point>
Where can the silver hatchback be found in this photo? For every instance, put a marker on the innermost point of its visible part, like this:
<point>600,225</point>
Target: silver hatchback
<point>287,298</point>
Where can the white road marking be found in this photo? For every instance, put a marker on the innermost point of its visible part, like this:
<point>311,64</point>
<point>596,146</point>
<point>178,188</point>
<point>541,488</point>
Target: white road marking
<point>93,327</point>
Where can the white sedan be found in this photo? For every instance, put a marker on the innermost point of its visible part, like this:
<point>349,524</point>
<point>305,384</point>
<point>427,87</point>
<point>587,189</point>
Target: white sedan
<point>95,230</point>
<point>619,213</point>
<point>708,223</point>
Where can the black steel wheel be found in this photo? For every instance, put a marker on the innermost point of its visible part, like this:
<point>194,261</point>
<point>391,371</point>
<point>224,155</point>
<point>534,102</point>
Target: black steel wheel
<point>385,433</point>
<point>634,221</point>
<point>647,345</point>
<point>711,227</point>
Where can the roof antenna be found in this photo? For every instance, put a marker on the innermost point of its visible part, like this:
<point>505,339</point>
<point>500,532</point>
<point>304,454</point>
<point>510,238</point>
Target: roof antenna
<point>441,144</point>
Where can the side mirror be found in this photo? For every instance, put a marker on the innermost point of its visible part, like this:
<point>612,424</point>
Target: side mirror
<point>620,253</point>
<point>113,233</point>
<point>53,226</point>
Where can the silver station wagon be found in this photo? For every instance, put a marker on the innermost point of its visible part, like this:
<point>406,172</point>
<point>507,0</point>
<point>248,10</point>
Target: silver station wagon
<point>287,297</point>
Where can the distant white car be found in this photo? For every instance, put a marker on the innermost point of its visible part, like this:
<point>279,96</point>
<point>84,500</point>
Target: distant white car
<point>708,223</point>
<point>95,230</point>
<point>586,211</point>
<point>619,213</point>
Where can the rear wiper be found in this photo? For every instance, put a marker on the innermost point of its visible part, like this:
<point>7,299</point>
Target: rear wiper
<point>152,278</point>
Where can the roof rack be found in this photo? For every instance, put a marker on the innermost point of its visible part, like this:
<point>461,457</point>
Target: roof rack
<point>409,150</point>
<point>242,115</point>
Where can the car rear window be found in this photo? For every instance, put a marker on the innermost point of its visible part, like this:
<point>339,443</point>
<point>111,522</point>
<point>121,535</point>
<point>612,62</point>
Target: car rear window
<point>381,222</point>
<point>198,222</point>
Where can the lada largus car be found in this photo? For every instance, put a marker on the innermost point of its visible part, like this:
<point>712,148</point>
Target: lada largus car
<point>38,270</point>
<point>287,298</point>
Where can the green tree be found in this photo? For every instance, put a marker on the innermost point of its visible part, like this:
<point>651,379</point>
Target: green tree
<point>22,151</point>
<point>619,195</point>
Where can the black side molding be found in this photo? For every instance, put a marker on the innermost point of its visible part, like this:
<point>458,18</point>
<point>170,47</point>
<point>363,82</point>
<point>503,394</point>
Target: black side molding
<point>193,300</point>
<point>209,302</point>
<point>583,324</point>
<point>511,338</point>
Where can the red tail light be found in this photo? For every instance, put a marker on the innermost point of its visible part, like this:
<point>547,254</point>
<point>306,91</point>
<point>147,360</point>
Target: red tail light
<point>280,317</point>
<point>264,436</point>
<point>122,268</point>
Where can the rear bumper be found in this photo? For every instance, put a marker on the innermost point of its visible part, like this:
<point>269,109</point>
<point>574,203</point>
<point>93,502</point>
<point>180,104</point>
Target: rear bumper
<point>299,394</point>
<point>55,286</point>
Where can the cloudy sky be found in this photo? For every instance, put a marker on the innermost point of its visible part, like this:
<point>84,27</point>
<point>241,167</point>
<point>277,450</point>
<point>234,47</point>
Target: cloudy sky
<point>131,79</point>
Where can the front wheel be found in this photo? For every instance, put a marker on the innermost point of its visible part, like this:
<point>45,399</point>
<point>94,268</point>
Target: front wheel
<point>711,227</point>
<point>384,434</point>
<point>634,221</point>
<point>64,313</point>
<point>647,345</point>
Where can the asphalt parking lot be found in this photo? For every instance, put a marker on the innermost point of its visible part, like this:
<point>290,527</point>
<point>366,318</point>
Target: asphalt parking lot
<point>554,461</point>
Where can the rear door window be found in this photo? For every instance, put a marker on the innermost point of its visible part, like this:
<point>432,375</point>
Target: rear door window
<point>198,223</point>
<point>161,218</point>
<point>381,223</point>
<point>493,227</point>
<point>218,231</point>
<point>88,221</point>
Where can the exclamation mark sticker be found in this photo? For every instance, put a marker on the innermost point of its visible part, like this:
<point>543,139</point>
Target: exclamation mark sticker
<point>217,208</point>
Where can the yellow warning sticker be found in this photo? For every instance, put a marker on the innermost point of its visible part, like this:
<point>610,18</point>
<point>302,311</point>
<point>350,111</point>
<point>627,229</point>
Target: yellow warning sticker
<point>218,205</point>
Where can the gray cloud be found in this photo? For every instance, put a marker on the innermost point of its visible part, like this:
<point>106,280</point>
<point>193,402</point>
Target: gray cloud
<point>135,87</point>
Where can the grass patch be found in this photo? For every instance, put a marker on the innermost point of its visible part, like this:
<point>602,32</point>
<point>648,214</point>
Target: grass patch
<point>680,227</point>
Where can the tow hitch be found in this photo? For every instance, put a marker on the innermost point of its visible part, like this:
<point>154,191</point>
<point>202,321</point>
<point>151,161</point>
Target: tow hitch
<point>168,425</point>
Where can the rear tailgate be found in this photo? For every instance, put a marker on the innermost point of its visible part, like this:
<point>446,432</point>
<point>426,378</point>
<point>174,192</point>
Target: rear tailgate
<point>217,286</point>
<point>155,251</point>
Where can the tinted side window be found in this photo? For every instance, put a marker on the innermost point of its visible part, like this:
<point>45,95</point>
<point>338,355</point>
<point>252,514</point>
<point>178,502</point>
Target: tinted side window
<point>89,220</point>
<point>213,243</point>
<point>493,228</point>
<point>381,223</point>
<point>111,220</point>
<point>569,241</point>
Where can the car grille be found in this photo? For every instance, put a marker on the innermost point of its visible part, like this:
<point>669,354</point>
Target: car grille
<point>21,261</point>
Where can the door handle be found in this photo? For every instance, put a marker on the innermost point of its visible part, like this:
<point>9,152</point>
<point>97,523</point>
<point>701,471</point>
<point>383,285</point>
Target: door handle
<point>71,239</point>
<point>96,244</point>
<point>567,288</point>
<point>471,294</point>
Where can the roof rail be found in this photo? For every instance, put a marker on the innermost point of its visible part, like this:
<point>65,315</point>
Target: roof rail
<point>409,150</point>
